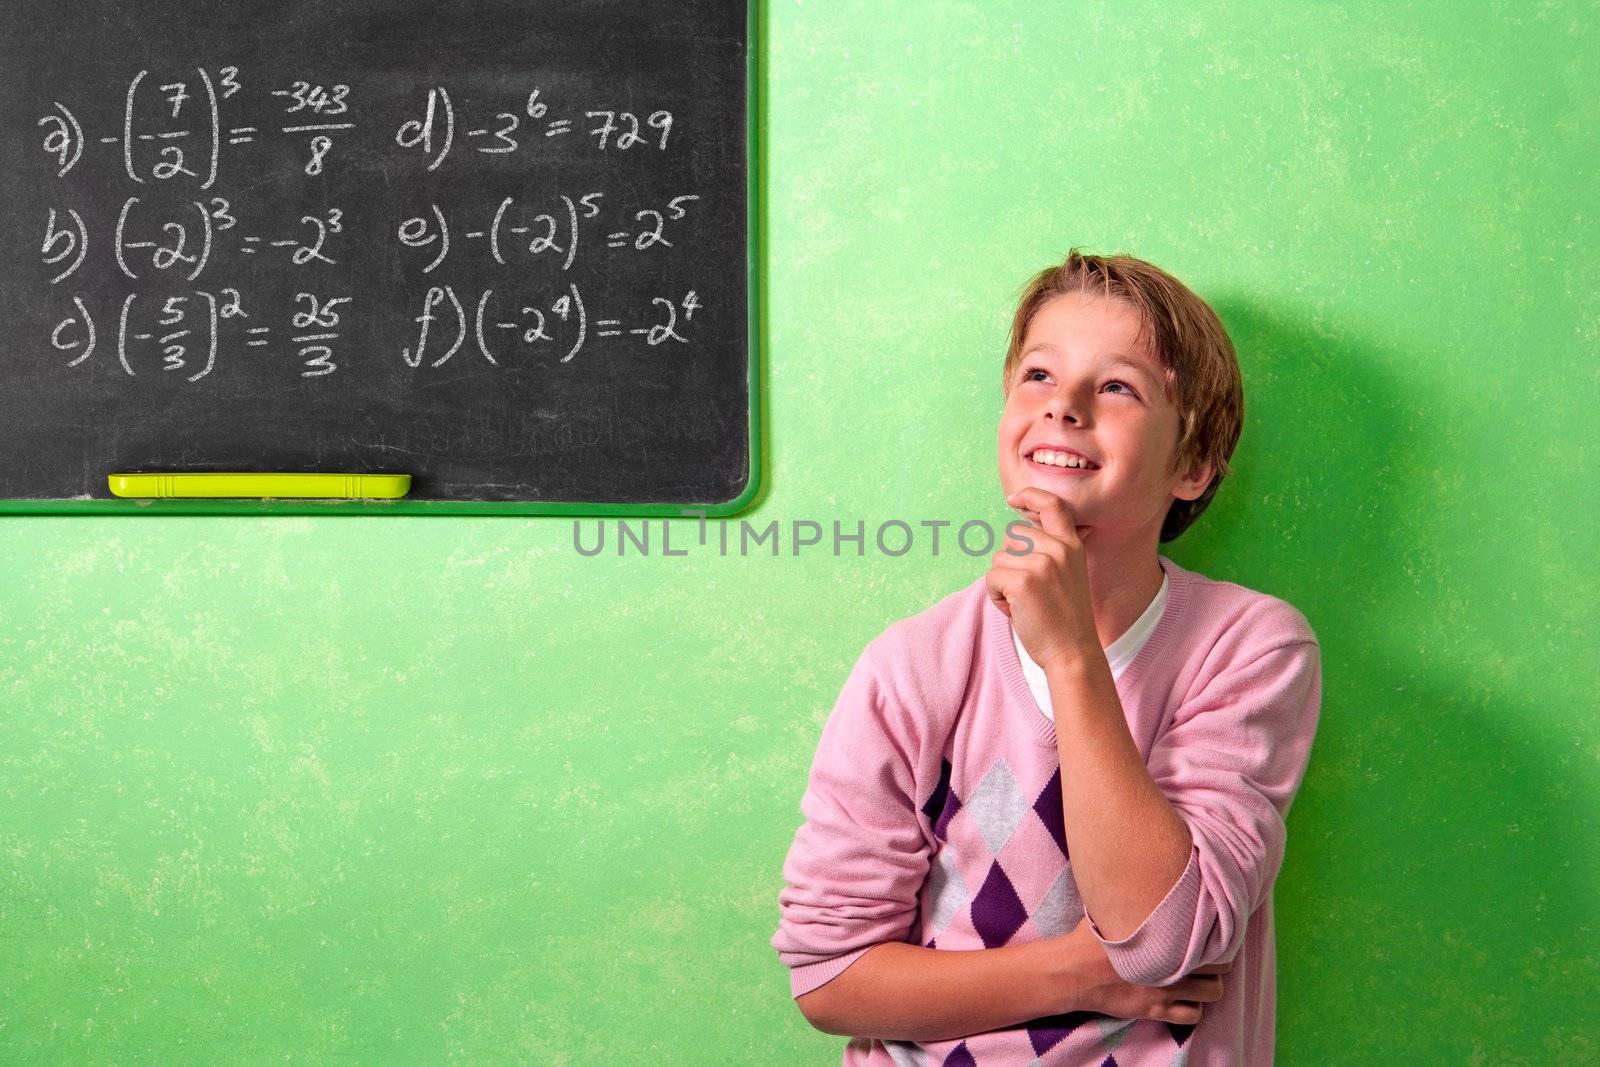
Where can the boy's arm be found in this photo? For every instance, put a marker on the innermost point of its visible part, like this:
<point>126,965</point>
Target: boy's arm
<point>901,992</point>
<point>859,860</point>
<point>1230,764</point>
<point>855,872</point>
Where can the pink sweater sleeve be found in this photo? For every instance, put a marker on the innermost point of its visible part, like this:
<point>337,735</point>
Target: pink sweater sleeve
<point>1230,764</point>
<point>858,862</point>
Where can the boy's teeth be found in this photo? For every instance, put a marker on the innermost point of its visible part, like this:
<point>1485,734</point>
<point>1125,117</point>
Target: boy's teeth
<point>1059,459</point>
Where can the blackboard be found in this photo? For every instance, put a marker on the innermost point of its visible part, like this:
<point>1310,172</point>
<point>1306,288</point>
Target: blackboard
<point>505,247</point>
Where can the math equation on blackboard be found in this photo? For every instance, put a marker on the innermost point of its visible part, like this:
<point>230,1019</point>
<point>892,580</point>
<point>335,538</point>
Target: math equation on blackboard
<point>236,219</point>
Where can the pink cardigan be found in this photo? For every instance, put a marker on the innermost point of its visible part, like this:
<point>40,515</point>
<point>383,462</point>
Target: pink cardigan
<point>933,816</point>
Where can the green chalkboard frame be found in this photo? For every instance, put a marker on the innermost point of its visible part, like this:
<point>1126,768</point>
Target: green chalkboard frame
<point>754,198</point>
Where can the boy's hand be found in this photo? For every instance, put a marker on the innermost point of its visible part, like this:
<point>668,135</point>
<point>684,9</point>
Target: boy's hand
<point>1094,985</point>
<point>1045,592</point>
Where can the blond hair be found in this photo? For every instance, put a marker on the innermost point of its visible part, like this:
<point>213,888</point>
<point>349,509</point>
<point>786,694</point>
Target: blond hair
<point>1200,367</point>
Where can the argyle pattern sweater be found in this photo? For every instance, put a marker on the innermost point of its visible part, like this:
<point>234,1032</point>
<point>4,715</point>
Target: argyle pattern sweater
<point>933,816</point>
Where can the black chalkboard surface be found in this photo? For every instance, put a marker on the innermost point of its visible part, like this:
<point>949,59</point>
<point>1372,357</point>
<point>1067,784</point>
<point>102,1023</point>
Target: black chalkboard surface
<point>502,246</point>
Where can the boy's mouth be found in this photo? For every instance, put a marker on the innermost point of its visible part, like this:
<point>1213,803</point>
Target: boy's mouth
<point>1056,462</point>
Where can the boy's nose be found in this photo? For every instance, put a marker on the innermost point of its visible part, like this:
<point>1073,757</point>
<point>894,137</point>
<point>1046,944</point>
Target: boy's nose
<point>1059,407</point>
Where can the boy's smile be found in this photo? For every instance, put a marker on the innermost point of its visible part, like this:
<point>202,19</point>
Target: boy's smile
<point>1049,461</point>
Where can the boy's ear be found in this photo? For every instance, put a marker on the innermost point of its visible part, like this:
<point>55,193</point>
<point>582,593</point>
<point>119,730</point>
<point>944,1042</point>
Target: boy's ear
<point>1195,481</point>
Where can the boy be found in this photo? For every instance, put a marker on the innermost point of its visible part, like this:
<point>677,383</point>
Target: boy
<point>1046,813</point>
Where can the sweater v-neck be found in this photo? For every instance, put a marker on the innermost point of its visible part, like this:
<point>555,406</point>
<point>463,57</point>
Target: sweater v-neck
<point>998,635</point>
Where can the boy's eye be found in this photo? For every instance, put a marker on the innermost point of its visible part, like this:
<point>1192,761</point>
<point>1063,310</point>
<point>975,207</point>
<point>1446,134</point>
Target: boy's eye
<point>1027,376</point>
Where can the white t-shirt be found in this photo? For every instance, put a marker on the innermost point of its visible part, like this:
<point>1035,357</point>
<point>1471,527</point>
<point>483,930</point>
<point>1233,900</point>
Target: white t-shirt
<point>1123,651</point>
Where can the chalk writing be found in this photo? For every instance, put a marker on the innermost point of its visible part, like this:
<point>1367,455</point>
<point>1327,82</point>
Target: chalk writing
<point>191,146</point>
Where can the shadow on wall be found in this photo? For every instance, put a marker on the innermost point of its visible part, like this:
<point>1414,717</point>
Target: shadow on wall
<point>1417,787</point>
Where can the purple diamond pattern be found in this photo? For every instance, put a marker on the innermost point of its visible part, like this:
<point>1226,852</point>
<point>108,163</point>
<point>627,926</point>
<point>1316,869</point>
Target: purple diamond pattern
<point>934,808</point>
<point>997,913</point>
<point>1050,1031</point>
<point>1048,808</point>
<point>949,812</point>
<point>960,1056</point>
<point>943,804</point>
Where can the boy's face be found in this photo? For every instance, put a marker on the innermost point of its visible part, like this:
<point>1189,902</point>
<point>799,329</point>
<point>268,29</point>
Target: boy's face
<point>1071,389</point>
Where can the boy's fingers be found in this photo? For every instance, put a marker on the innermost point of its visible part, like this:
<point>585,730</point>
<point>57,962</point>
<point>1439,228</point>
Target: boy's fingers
<point>1044,509</point>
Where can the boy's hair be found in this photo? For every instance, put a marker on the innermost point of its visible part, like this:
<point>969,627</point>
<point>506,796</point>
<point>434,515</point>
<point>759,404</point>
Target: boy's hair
<point>1201,369</point>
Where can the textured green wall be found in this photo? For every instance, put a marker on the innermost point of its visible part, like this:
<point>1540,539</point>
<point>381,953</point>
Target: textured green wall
<point>262,799</point>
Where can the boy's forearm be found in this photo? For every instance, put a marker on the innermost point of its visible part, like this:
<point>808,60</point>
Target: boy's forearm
<point>897,991</point>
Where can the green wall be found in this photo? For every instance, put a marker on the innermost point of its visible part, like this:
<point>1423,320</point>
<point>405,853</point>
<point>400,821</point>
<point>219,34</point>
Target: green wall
<point>390,790</point>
